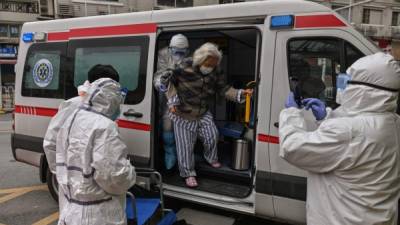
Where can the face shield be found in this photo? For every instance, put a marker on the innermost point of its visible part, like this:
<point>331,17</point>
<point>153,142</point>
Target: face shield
<point>342,81</point>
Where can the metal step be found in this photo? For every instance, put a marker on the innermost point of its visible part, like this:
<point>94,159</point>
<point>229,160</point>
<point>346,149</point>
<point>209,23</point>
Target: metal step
<point>196,217</point>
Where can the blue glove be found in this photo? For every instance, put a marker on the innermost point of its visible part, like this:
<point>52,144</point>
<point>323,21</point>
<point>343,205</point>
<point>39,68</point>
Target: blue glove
<point>163,88</point>
<point>317,106</point>
<point>291,102</point>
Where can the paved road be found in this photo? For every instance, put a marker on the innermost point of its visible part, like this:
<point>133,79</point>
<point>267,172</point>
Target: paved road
<point>26,201</point>
<point>6,117</point>
<point>23,199</point>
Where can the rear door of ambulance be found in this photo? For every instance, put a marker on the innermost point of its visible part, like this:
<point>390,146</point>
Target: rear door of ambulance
<point>319,47</point>
<point>39,89</point>
<point>130,50</point>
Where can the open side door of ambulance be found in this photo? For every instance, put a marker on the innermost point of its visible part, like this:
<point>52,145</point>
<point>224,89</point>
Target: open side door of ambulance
<point>244,203</point>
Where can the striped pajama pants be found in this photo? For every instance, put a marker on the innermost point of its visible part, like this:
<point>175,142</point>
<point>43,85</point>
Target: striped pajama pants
<point>186,133</point>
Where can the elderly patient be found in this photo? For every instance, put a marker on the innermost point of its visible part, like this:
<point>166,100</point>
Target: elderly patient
<point>197,81</point>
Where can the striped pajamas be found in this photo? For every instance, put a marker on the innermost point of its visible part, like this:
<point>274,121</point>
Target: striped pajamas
<point>186,133</point>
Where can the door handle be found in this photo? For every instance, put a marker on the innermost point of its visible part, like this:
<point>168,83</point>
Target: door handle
<point>276,124</point>
<point>133,113</point>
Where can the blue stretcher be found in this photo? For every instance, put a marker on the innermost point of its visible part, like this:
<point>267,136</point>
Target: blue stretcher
<point>140,211</point>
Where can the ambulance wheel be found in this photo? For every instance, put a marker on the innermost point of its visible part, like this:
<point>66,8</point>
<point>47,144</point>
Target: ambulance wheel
<point>52,184</point>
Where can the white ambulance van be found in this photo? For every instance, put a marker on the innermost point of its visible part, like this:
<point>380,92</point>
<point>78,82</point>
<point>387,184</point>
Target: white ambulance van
<point>269,42</point>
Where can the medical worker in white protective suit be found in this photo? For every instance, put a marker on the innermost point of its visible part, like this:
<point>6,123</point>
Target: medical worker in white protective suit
<point>67,107</point>
<point>168,58</point>
<point>353,158</point>
<point>93,171</point>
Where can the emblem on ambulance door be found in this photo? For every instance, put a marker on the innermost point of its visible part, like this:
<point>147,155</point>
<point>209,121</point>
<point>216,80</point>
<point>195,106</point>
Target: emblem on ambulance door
<point>43,73</point>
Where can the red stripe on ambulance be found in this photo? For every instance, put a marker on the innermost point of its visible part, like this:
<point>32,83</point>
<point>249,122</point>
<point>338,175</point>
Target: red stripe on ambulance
<point>49,112</point>
<point>58,36</point>
<point>37,111</point>
<point>103,31</point>
<point>318,21</point>
<point>268,138</point>
<point>133,125</point>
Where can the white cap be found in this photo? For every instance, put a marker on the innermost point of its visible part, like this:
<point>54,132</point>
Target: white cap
<point>179,41</point>
<point>380,69</point>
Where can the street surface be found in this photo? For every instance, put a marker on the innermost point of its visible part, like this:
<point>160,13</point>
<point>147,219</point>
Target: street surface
<point>24,200</point>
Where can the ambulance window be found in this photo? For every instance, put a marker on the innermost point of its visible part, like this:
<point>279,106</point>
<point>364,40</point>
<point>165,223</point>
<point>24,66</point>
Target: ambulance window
<point>43,71</point>
<point>313,65</point>
<point>352,54</point>
<point>128,55</point>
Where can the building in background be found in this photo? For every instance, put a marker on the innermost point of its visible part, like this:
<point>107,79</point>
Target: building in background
<point>12,15</point>
<point>377,19</point>
<point>77,8</point>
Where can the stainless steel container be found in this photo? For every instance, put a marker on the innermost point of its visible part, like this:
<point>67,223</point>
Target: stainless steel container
<point>241,155</point>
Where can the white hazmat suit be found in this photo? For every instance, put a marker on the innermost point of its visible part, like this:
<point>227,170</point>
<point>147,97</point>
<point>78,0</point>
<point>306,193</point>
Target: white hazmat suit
<point>353,158</point>
<point>92,169</point>
<point>167,60</point>
<point>65,109</point>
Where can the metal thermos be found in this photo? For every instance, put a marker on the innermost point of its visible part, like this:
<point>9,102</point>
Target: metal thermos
<point>241,155</point>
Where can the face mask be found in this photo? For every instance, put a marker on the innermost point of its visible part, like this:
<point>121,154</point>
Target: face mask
<point>206,70</point>
<point>177,57</point>
<point>341,84</point>
<point>178,53</point>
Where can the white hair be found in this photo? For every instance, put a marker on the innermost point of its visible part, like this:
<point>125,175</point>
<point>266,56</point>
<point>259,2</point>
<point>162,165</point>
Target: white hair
<point>206,50</point>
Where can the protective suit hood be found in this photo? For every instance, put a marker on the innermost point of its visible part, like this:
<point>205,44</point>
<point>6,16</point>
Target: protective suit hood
<point>104,97</point>
<point>361,99</point>
<point>379,69</point>
<point>179,41</point>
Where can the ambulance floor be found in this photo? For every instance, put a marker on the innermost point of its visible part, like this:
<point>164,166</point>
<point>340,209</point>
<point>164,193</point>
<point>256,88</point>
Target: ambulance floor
<point>212,185</point>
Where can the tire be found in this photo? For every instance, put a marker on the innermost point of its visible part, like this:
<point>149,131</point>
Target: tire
<point>52,184</point>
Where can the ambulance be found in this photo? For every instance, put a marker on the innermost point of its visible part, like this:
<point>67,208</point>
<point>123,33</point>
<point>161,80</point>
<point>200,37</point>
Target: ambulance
<point>267,43</point>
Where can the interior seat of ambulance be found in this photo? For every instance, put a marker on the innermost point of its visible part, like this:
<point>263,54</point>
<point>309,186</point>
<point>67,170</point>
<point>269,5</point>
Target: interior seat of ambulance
<point>239,48</point>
